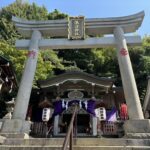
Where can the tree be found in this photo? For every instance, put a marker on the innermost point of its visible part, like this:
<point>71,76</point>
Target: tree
<point>101,61</point>
<point>56,15</point>
<point>18,57</point>
<point>140,58</point>
<point>9,35</point>
<point>22,10</point>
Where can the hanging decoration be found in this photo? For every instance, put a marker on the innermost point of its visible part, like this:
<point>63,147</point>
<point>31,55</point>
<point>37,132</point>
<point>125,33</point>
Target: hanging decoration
<point>61,105</point>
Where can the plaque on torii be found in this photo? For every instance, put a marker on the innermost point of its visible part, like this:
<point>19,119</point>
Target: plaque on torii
<point>76,28</point>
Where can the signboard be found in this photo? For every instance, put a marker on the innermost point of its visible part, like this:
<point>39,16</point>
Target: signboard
<point>76,28</point>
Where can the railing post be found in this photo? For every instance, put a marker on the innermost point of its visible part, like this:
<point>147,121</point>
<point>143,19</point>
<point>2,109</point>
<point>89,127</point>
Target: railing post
<point>71,138</point>
<point>75,125</point>
<point>75,129</point>
<point>69,135</point>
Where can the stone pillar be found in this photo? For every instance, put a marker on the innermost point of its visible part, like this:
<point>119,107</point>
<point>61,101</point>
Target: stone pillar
<point>128,80</point>
<point>17,127</point>
<point>94,126</point>
<point>25,87</point>
<point>56,124</point>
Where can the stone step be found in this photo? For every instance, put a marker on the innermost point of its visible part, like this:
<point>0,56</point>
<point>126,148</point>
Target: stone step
<point>55,147</point>
<point>78,142</point>
<point>34,141</point>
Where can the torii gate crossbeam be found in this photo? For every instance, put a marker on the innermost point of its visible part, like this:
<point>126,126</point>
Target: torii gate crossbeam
<point>64,43</point>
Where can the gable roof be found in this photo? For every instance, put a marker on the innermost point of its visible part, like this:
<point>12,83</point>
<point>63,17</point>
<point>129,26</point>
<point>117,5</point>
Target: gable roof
<point>93,26</point>
<point>76,76</point>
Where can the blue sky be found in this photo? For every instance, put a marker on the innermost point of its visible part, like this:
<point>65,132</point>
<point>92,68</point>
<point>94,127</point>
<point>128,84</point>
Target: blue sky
<point>97,9</point>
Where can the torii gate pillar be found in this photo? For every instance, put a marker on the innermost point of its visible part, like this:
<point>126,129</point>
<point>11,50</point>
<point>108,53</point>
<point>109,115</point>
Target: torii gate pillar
<point>136,126</point>
<point>128,80</point>
<point>24,92</point>
<point>18,124</point>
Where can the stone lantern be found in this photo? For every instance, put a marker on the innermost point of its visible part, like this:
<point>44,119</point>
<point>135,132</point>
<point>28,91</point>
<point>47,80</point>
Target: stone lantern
<point>9,108</point>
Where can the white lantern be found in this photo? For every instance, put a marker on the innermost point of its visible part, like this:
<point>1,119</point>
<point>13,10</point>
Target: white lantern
<point>101,113</point>
<point>46,114</point>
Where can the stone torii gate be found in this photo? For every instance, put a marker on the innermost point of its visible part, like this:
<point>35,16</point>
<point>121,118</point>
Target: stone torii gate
<point>71,36</point>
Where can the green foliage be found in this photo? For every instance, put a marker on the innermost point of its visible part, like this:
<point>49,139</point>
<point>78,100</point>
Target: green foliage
<point>56,15</point>
<point>101,62</point>
<point>140,57</point>
<point>146,54</point>
<point>18,57</point>
<point>22,10</point>
<point>80,58</point>
<point>8,36</point>
<point>105,62</point>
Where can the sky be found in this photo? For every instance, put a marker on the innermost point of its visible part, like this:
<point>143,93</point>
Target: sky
<point>97,9</point>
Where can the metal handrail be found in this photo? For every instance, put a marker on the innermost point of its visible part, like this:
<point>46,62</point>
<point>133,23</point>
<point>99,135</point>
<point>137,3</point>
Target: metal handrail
<point>69,135</point>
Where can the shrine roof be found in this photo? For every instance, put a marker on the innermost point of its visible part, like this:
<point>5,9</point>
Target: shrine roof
<point>93,26</point>
<point>76,76</point>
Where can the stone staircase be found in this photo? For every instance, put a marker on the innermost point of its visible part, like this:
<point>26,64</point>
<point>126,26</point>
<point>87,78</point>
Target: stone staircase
<point>79,144</point>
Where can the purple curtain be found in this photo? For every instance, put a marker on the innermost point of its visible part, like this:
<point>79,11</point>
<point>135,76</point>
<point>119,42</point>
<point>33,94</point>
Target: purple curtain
<point>109,114</point>
<point>58,109</point>
<point>90,107</point>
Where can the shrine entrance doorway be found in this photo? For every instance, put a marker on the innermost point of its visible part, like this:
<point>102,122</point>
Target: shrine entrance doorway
<point>82,121</point>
